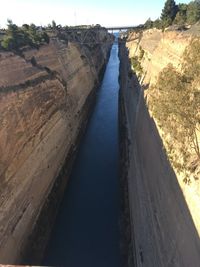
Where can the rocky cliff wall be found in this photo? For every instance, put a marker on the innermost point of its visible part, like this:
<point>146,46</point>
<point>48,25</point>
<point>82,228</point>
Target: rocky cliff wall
<point>46,96</point>
<point>160,49</point>
<point>161,228</point>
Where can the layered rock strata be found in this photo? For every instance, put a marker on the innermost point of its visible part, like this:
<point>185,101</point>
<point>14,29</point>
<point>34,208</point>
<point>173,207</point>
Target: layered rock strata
<point>160,49</point>
<point>46,95</point>
<point>161,229</point>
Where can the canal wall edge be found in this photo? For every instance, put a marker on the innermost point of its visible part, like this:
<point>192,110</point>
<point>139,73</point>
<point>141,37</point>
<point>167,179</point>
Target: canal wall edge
<point>161,229</point>
<point>46,98</point>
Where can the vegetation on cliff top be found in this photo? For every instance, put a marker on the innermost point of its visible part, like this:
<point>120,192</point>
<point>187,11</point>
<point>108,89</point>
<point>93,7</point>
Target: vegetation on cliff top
<point>17,37</point>
<point>174,102</point>
<point>180,14</point>
<point>169,11</point>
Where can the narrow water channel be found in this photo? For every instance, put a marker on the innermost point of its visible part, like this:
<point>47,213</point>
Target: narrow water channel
<point>86,232</point>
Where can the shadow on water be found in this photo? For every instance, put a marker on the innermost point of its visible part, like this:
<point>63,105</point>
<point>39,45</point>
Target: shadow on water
<point>86,232</point>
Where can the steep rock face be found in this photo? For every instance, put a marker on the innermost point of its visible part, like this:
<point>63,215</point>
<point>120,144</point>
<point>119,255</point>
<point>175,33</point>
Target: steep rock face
<point>161,48</point>
<point>45,99</point>
<point>161,227</point>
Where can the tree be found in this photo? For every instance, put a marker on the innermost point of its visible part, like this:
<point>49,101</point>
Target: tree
<point>12,28</point>
<point>54,24</point>
<point>193,12</point>
<point>34,35</point>
<point>148,24</point>
<point>169,12</point>
<point>45,37</point>
<point>157,24</point>
<point>8,43</point>
<point>17,37</point>
<point>25,27</point>
<point>181,16</point>
<point>10,39</point>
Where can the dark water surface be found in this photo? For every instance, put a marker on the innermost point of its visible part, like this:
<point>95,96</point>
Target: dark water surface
<point>86,232</point>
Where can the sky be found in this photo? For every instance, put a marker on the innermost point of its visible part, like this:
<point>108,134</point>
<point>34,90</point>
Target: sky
<point>79,12</point>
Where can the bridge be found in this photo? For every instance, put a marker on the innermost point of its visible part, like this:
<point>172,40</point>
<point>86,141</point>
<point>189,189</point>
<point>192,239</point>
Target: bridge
<point>120,28</point>
<point>92,35</point>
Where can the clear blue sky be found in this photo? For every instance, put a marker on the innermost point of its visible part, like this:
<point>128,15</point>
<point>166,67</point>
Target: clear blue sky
<point>74,12</point>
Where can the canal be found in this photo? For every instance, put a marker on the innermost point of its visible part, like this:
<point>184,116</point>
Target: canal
<point>86,232</point>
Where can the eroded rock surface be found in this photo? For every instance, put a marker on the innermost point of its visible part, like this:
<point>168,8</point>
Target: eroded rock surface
<point>160,49</point>
<point>45,99</point>
<point>161,228</point>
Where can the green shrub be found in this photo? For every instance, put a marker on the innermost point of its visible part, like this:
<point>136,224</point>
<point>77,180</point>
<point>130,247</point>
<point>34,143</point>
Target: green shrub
<point>193,12</point>
<point>141,54</point>
<point>176,14</point>
<point>8,43</point>
<point>136,65</point>
<point>17,37</point>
